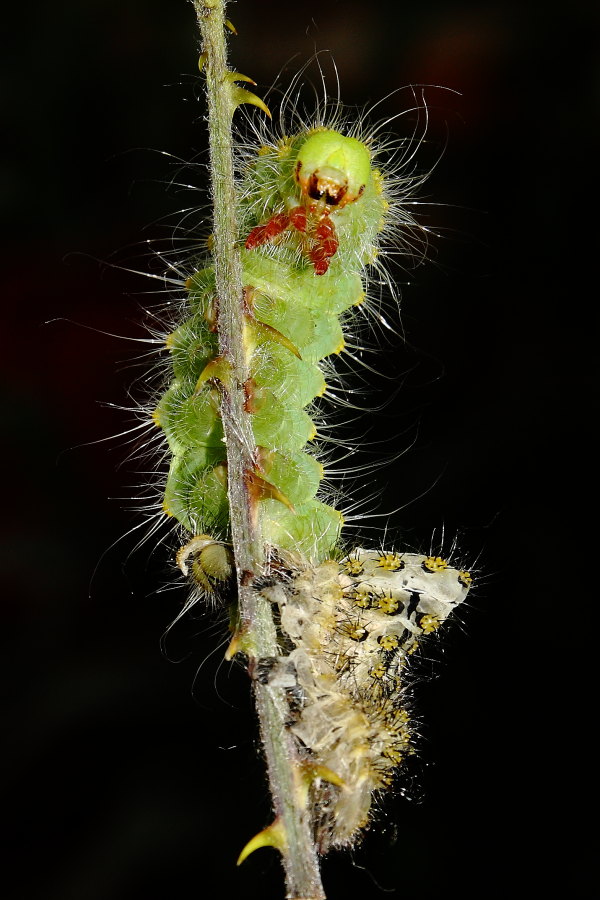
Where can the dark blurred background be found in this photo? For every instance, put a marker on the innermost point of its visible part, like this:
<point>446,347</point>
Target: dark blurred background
<point>122,781</point>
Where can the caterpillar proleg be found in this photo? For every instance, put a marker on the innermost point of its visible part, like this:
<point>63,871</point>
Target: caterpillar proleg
<point>301,217</point>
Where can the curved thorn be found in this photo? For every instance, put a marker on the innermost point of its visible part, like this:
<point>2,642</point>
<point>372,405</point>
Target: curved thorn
<point>239,644</point>
<point>271,836</point>
<point>219,368</point>
<point>241,95</point>
<point>237,76</point>
<point>268,333</point>
<point>260,489</point>
<point>313,772</point>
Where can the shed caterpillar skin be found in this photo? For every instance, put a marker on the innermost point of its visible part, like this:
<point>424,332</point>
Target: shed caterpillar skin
<point>353,627</point>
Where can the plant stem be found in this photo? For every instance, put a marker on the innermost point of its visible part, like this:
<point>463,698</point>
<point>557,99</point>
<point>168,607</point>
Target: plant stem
<point>228,275</point>
<point>260,639</point>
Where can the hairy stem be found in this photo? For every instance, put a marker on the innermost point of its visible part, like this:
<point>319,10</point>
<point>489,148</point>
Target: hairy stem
<point>228,274</point>
<point>284,765</point>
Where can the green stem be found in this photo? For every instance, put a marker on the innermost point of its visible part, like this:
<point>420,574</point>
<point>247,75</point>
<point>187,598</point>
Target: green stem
<point>260,639</point>
<point>228,275</point>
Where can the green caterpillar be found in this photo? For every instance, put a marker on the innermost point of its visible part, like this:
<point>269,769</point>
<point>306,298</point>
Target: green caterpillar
<point>311,209</point>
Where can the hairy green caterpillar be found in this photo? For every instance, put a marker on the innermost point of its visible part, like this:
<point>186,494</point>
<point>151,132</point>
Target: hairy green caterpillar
<point>312,209</point>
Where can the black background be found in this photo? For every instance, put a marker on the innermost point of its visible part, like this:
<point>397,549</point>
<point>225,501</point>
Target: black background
<point>119,783</point>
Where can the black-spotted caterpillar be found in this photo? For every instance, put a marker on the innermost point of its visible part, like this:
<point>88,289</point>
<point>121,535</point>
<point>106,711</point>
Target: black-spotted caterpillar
<point>328,637</point>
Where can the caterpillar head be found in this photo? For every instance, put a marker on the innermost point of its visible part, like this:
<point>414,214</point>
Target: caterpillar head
<point>332,168</point>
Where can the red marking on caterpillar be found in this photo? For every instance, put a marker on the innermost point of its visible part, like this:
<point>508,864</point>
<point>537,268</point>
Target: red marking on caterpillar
<point>323,233</point>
